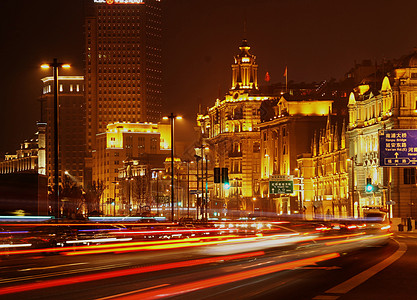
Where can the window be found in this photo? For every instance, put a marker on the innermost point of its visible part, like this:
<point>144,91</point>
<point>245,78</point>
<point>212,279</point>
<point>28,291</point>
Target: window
<point>409,176</point>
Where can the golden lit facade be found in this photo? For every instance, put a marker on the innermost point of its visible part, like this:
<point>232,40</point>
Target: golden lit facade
<point>31,157</point>
<point>393,106</point>
<point>283,138</point>
<point>229,128</point>
<point>123,70</point>
<point>324,175</point>
<point>127,151</point>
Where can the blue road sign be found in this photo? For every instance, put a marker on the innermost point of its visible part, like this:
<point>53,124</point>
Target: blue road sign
<point>398,148</point>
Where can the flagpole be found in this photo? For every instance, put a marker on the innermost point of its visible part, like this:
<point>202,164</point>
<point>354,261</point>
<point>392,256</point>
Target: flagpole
<point>286,79</point>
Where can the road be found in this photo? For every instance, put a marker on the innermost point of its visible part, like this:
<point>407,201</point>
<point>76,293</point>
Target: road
<point>309,269</point>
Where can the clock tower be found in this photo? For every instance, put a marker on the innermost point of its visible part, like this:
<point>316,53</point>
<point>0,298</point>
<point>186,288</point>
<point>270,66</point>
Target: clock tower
<point>244,69</point>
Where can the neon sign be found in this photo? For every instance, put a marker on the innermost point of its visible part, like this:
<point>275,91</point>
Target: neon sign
<point>120,1</point>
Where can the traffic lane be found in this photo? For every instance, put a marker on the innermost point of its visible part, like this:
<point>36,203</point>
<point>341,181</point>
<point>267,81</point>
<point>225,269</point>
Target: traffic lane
<point>43,260</point>
<point>397,281</point>
<point>35,268</point>
<point>176,279</point>
<point>171,277</point>
<point>302,283</point>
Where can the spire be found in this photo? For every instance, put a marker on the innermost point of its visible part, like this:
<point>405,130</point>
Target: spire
<point>314,144</point>
<point>244,69</point>
<point>343,135</point>
<point>335,138</point>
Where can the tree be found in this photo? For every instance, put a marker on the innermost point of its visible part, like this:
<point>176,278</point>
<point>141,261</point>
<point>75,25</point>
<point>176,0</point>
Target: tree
<point>71,197</point>
<point>92,197</point>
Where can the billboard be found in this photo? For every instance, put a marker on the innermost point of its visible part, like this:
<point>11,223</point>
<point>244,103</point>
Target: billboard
<point>398,147</point>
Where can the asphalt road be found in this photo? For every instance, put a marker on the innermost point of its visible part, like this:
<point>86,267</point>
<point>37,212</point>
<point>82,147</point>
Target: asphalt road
<point>354,270</point>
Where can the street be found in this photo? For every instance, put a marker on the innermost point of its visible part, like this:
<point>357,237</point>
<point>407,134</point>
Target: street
<point>309,269</point>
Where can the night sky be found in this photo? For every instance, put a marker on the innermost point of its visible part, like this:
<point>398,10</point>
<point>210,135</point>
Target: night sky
<point>316,39</point>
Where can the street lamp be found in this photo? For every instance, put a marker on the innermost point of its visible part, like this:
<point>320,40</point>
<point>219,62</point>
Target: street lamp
<point>55,65</point>
<point>172,119</point>
<point>353,186</point>
<point>116,183</point>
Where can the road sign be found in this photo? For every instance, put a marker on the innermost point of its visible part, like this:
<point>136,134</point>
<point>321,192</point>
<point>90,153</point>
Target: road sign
<point>398,148</point>
<point>194,192</point>
<point>281,178</point>
<point>281,187</point>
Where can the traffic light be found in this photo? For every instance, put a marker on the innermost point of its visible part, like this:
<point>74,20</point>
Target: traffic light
<point>369,188</point>
<point>225,177</point>
<point>216,175</point>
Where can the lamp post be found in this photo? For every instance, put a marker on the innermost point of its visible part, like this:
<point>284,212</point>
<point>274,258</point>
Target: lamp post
<point>353,187</point>
<point>55,65</point>
<point>172,118</point>
<point>197,158</point>
<point>116,183</point>
<point>155,175</point>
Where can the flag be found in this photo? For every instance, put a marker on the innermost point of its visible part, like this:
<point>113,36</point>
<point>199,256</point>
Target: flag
<point>267,77</point>
<point>285,73</point>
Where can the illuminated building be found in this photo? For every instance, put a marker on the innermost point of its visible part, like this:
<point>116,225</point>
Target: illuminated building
<point>391,105</point>
<point>23,184</point>
<point>128,152</point>
<point>324,174</point>
<point>229,129</point>
<point>286,135</point>
<point>123,65</point>
<point>29,158</point>
<point>71,127</point>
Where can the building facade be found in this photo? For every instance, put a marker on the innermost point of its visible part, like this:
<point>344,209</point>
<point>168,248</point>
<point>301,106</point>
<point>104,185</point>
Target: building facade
<point>30,157</point>
<point>23,181</point>
<point>391,105</point>
<point>129,151</point>
<point>230,130</point>
<point>123,65</point>
<point>71,124</point>
<point>324,174</point>
<point>286,135</point>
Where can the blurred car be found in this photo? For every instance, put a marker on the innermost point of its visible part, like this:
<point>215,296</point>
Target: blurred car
<point>49,236</point>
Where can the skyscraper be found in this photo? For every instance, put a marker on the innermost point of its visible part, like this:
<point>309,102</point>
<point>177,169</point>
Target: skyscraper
<point>71,126</point>
<point>123,64</point>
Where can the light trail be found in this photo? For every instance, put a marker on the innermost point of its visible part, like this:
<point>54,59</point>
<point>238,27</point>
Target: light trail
<point>224,279</point>
<point>126,272</point>
<point>184,243</point>
<point>115,245</point>
<point>358,239</point>
<point>13,246</point>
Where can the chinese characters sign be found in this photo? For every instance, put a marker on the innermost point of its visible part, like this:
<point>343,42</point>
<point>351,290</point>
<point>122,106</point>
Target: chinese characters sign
<point>398,148</point>
<point>119,1</point>
<point>281,184</point>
